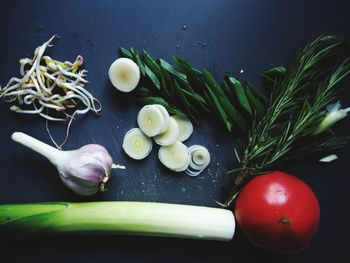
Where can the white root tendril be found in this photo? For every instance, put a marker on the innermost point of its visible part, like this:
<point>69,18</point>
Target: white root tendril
<point>51,89</point>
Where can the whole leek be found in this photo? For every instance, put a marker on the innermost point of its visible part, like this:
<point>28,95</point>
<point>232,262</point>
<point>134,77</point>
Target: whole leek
<point>137,218</point>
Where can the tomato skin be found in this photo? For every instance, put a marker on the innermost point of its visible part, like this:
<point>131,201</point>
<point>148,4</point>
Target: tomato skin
<point>278,211</point>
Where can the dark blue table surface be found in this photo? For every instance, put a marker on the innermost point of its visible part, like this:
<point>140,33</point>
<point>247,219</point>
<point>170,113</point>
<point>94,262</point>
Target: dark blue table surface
<point>220,35</point>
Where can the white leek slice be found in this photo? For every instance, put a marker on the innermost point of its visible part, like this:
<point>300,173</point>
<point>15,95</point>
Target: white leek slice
<point>124,74</point>
<point>329,158</point>
<point>151,120</point>
<point>170,136</point>
<point>176,157</point>
<point>186,127</point>
<point>136,144</point>
<point>184,167</point>
<point>199,160</point>
<point>165,115</point>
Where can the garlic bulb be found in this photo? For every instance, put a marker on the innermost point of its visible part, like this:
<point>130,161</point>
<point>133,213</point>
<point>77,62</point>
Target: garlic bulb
<point>85,171</point>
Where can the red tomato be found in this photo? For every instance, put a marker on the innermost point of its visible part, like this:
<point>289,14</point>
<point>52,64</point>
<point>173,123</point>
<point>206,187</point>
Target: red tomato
<point>278,211</point>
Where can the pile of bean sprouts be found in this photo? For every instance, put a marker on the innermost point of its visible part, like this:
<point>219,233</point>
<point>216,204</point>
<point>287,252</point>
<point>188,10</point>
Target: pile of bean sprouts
<point>51,89</point>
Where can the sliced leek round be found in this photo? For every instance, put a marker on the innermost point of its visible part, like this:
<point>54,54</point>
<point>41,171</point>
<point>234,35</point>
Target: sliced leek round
<point>124,74</point>
<point>176,156</point>
<point>170,136</point>
<point>199,160</point>
<point>165,115</point>
<point>136,144</point>
<point>186,127</point>
<point>151,120</point>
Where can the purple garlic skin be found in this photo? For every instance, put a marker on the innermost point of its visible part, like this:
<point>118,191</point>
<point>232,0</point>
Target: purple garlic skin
<point>86,170</point>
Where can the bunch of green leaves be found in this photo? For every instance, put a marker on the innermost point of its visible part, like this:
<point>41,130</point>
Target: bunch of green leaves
<point>298,96</point>
<point>184,90</point>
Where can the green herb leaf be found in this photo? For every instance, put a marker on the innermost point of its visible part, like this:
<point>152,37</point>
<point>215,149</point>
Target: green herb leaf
<point>233,113</point>
<point>138,61</point>
<point>213,83</point>
<point>239,92</point>
<point>172,70</point>
<point>186,66</point>
<point>151,63</point>
<point>152,77</point>
<point>257,102</point>
<point>190,110</point>
<point>219,108</point>
<point>167,84</point>
<point>192,91</point>
<point>272,77</point>
<point>126,53</point>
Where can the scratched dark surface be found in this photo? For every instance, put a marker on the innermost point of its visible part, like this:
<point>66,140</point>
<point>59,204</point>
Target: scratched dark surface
<point>219,35</point>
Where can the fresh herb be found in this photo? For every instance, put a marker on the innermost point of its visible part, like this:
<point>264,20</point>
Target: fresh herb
<point>298,97</point>
<point>187,91</point>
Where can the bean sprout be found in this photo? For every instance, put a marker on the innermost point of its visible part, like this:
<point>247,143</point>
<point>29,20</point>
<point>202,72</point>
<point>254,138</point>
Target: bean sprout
<point>51,89</point>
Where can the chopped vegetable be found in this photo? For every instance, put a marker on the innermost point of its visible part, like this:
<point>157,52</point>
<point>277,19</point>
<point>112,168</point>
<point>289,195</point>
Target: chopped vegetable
<point>170,135</point>
<point>136,144</point>
<point>173,154</point>
<point>85,171</point>
<point>50,88</point>
<point>165,114</point>
<point>151,120</point>
<point>124,74</point>
<point>176,157</point>
<point>185,126</point>
<point>200,159</point>
<point>136,218</point>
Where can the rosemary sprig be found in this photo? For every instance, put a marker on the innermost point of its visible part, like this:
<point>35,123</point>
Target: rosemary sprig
<point>298,96</point>
<point>183,89</point>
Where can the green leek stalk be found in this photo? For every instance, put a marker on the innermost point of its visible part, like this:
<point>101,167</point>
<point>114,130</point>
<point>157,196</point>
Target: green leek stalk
<point>136,218</point>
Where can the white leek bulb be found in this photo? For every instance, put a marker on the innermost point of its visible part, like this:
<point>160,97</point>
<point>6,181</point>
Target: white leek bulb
<point>334,114</point>
<point>85,171</point>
